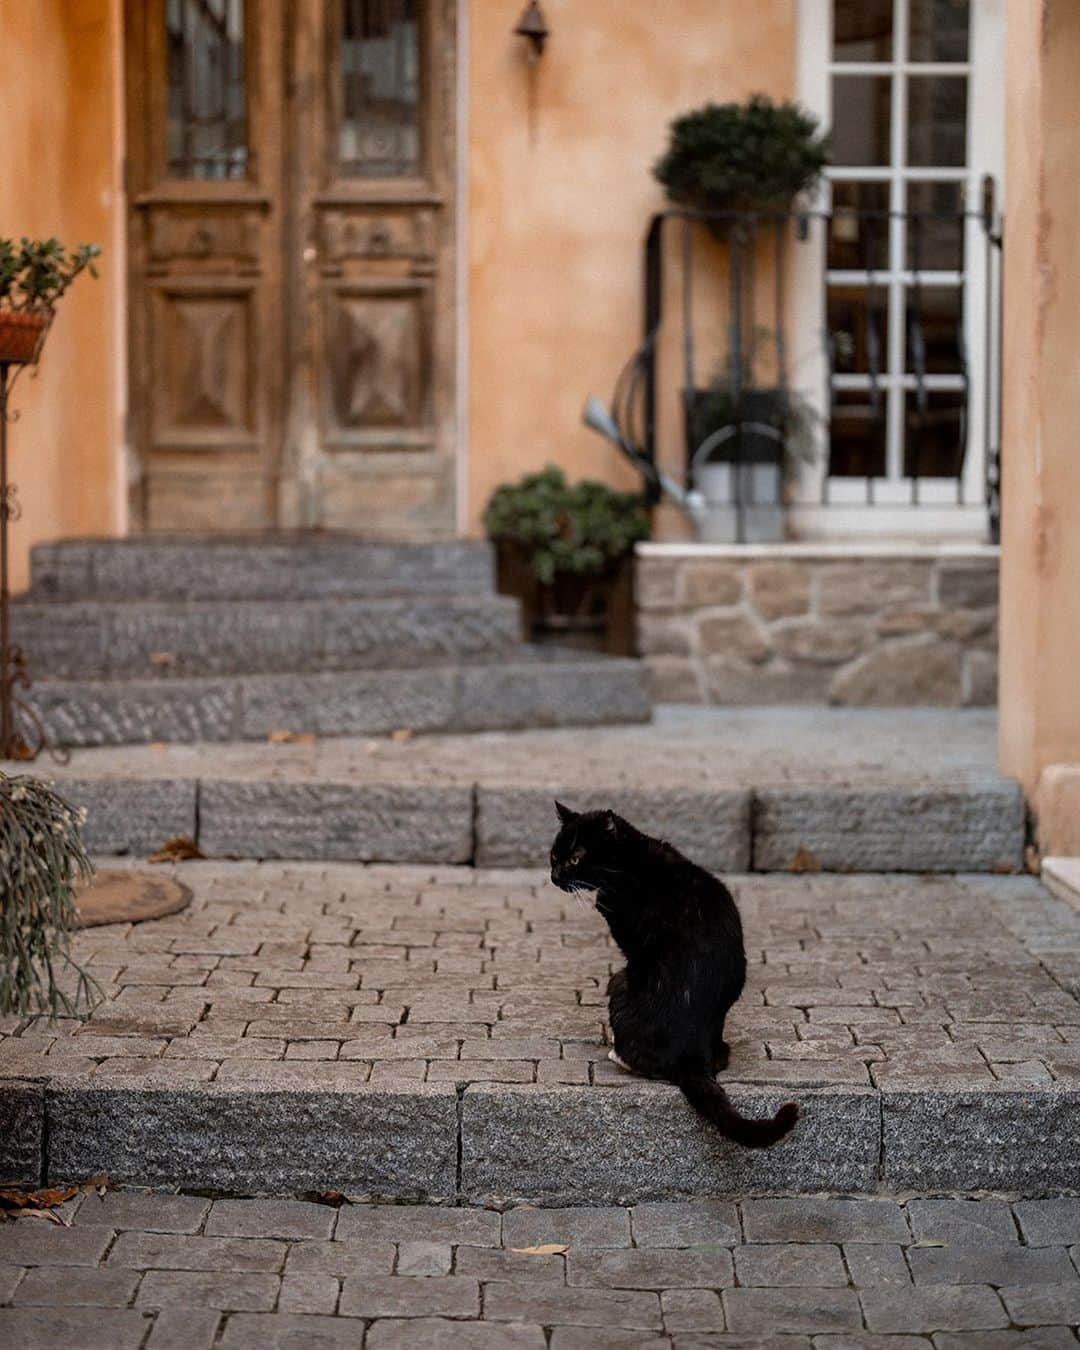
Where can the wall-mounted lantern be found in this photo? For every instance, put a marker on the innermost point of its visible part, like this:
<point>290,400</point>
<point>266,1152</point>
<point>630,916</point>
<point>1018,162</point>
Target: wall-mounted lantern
<point>532,26</point>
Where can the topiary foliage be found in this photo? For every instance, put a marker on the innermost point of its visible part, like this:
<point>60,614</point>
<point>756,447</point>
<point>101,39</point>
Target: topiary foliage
<point>579,528</point>
<point>41,856</point>
<point>748,156</point>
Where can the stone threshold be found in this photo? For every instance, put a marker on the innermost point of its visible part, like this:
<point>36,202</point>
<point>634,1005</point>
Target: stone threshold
<point>482,1144</point>
<point>846,551</point>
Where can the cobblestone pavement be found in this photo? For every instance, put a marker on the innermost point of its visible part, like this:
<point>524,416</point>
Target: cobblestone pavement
<point>158,1271</point>
<point>327,976</point>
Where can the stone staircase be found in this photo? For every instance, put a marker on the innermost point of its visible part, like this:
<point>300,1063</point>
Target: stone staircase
<point>213,639</point>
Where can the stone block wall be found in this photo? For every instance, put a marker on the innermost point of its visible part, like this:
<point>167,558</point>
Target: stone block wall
<point>798,623</point>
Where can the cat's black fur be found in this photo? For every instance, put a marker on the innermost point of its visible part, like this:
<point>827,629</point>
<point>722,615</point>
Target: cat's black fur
<point>680,932</point>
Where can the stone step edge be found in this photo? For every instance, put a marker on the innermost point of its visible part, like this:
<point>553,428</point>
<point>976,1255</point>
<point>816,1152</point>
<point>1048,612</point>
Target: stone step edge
<point>460,697</point>
<point>481,1144</point>
<point>901,828</point>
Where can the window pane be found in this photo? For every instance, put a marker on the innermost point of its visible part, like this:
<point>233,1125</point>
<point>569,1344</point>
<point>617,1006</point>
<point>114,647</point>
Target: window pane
<point>938,30</point>
<point>857,434</point>
<point>380,73</point>
<point>862,30</point>
<point>857,328</point>
<point>935,226</point>
<point>205,131</point>
<point>934,329</point>
<point>937,120</point>
<point>859,229</point>
<point>860,129</point>
<point>933,433</point>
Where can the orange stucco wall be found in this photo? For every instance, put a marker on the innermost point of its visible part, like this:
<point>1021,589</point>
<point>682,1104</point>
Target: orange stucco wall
<point>559,196</point>
<point>1040,566</point>
<point>58,177</point>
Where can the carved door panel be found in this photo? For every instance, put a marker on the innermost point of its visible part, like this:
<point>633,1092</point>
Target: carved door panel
<point>372,353</point>
<point>290,176</point>
<point>205,105</point>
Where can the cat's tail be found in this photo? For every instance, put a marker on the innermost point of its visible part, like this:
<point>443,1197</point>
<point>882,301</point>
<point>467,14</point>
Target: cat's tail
<point>707,1096</point>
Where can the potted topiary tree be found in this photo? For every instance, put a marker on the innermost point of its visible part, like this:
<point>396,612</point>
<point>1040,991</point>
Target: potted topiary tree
<point>41,858</point>
<point>33,276</point>
<point>565,551</point>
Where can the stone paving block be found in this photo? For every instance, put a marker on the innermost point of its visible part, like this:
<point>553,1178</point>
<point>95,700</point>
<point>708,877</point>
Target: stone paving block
<point>233,1292</point>
<point>653,1269</point>
<point>183,1251</point>
<point>633,1309</point>
<point>490,1263</point>
<point>928,1307</point>
<point>922,828</point>
<point>364,1141</point>
<point>692,1310</point>
<point>991,1265</point>
<point>768,1312</point>
<point>339,1259</point>
<point>22,1116</point>
<point>263,1331</point>
<point>157,1213</point>
<point>1033,1338</point>
<point>540,1144</point>
<point>81,713</point>
<point>424,1258</point>
<point>515,825</point>
<point>64,1286</point>
<point>132,815</point>
<point>584,1228</point>
<point>961,1222</point>
<point>686,1224</point>
<point>806,1264</point>
<point>403,1296</point>
<point>873,1263</point>
<point>998,1140</point>
<point>271,1219</point>
<point>65,1328</point>
<point>812,1219</point>
<point>308,1294</point>
<point>419,1223</point>
<point>11,1275</point>
<point>1043,1304</point>
<point>28,1243</point>
<point>436,1333</point>
<point>359,822</point>
<point>1048,1222</point>
<point>184,1329</point>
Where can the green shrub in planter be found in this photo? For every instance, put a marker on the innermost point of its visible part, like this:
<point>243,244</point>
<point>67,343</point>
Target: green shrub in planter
<point>41,856</point>
<point>579,528</point>
<point>757,155</point>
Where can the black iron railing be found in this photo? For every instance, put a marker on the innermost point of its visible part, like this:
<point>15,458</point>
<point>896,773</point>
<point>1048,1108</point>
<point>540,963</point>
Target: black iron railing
<point>872,402</point>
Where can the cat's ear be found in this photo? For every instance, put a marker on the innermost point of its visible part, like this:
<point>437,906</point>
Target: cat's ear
<point>564,813</point>
<point>611,822</point>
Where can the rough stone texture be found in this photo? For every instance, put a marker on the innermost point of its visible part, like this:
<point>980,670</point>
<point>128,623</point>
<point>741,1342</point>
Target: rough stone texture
<point>132,816</point>
<point>542,1144</point>
<point>363,1140</point>
<point>22,1123</point>
<point>867,830</point>
<point>161,639</point>
<point>515,826</point>
<point>805,625</point>
<point>270,568</point>
<point>551,694</point>
<point>997,1140</point>
<point>380,823</point>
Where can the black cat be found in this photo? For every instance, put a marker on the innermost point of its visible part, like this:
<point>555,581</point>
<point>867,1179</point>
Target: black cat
<point>680,932</point>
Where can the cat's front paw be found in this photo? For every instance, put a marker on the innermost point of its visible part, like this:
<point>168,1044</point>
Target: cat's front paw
<point>616,1059</point>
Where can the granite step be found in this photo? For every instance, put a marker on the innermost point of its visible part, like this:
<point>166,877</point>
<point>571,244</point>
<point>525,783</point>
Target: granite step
<point>271,567</point>
<point>166,639</point>
<point>528,688</point>
<point>735,790</point>
<point>432,1033</point>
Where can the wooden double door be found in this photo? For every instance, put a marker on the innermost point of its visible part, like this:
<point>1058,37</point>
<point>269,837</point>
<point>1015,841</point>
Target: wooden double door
<point>291,182</point>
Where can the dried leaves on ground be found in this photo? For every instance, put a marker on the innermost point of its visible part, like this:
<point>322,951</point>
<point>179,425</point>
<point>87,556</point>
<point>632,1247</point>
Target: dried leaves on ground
<point>180,848</point>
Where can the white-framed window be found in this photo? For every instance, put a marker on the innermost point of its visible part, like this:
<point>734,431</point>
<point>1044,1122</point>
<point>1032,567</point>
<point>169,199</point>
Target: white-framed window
<point>891,305</point>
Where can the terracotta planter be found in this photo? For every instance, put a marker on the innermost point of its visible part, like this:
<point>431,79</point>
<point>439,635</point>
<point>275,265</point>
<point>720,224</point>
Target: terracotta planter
<point>594,612</point>
<point>21,335</point>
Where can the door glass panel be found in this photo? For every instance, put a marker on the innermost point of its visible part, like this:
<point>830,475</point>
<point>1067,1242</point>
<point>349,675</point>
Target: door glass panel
<point>938,30</point>
<point>380,89</point>
<point>206,120</point>
<point>859,229</point>
<point>863,30</point>
<point>937,120</point>
<point>935,235</point>
<point>862,106</point>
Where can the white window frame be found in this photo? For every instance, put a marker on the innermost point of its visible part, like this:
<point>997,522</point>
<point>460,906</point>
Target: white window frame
<point>892,516</point>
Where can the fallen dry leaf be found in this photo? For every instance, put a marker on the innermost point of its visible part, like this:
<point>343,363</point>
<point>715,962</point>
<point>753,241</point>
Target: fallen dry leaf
<point>803,861</point>
<point>291,738</point>
<point>177,849</point>
<point>99,1182</point>
<point>402,734</point>
<point>163,658</point>
<point>159,746</point>
<point>334,1199</point>
<point>50,1216</point>
<point>40,1202</point>
<point>546,1249</point>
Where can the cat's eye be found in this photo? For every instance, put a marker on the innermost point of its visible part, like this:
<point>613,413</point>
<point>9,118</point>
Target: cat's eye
<point>576,856</point>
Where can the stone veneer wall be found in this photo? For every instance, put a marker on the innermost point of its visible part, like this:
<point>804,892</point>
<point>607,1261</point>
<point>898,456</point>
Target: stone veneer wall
<point>801,623</point>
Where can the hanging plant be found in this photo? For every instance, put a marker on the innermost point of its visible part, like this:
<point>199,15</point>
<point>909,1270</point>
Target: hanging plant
<point>41,857</point>
<point>753,156</point>
<point>34,275</point>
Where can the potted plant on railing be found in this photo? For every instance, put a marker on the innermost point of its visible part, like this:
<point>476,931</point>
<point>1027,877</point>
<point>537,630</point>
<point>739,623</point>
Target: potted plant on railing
<point>566,552</point>
<point>34,274</point>
<point>41,858</point>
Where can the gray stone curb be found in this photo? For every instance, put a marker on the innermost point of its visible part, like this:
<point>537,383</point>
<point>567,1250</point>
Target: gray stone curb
<point>515,826</point>
<point>22,1130</point>
<point>128,815</point>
